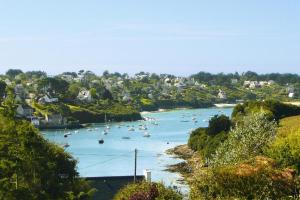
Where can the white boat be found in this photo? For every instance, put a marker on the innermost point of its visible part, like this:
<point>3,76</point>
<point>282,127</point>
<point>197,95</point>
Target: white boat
<point>66,145</point>
<point>106,125</point>
<point>76,131</point>
<point>184,121</point>
<point>105,131</point>
<point>146,134</point>
<point>131,129</point>
<point>89,129</point>
<point>67,134</point>
<point>143,127</point>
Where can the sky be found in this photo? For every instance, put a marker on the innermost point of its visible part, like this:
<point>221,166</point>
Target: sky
<point>162,36</point>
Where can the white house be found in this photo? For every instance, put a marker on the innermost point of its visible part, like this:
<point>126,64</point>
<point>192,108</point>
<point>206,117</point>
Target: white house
<point>271,82</point>
<point>47,99</point>
<point>263,83</point>
<point>234,81</point>
<point>291,95</point>
<point>150,96</point>
<point>290,89</point>
<point>222,95</point>
<point>85,95</point>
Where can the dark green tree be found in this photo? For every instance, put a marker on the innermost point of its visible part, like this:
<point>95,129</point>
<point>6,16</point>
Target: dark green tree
<point>218,123</point>
<point>12,73</point>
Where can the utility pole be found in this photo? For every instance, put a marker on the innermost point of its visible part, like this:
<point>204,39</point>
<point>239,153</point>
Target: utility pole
<point>135,161</point>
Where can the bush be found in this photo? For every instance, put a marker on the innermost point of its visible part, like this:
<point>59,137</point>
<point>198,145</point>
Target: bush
<point>257,178</point>
<point>286,150</point>
<point>40,169</point>
<point>146,191</point>
<point>206,144</point>
<point>248,139</point>
<point>218,123</point>
<point>207,140</point>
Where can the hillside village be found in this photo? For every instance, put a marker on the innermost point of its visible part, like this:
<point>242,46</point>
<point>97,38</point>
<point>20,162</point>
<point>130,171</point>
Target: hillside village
<point>70,99</point>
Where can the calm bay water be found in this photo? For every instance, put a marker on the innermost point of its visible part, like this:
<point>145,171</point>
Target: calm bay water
<point>116,156</point>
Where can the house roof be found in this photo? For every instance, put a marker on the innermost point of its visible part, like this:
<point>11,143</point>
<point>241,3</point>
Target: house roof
<point>108,186</point>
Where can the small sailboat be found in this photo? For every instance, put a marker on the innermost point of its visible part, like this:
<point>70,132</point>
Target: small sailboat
<point>106,125</point>
<point>67,134</point>
<point>184,121</point>
<point>66,145</point>
<point>146,134</point>
<point>105,131</point>
<point>76,131</point>
<point>101,141</point>
<point>143,127</point>
<point>131,129</point>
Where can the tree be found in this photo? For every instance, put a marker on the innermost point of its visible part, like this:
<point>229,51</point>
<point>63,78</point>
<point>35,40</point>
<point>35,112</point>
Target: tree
<point>12,73</point>
<point>218,123</point>
<point>2,89</point>
<point>33,168</point>
<point>147,191</point>
<point>73,90</point>
<point>246,140</point>
<point>9,106</point>
<point>105,73</point>
<point>36,74</point>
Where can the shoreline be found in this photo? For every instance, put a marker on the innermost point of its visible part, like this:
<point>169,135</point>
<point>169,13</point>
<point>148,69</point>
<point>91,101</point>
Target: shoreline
<point>192,160</point>
<point>83,125</point>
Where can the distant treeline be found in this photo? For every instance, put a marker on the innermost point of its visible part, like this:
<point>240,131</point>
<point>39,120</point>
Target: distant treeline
<point>221,78</point>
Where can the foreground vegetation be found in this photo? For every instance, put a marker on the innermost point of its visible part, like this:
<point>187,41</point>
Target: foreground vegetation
<point>257,158</point>
<point>33,168</point>
<point>147,191</point>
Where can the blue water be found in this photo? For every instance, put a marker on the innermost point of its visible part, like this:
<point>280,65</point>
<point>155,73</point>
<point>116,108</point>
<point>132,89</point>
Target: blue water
<point>116,156</point>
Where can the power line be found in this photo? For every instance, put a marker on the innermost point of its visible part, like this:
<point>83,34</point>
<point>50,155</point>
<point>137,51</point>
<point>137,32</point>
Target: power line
<point>105,161</point>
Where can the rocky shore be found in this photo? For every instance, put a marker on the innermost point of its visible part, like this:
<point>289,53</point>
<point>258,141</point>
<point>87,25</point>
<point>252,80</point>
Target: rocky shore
<point>192,160</point>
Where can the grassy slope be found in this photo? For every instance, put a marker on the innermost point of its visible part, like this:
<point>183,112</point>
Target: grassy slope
<point>289,125</point>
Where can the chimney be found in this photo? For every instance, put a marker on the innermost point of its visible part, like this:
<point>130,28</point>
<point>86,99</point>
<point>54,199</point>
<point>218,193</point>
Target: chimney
<point>147,174</point>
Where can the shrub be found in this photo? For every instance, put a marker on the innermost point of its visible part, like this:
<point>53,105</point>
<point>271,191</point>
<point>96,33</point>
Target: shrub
<point>248,139</point>
<point>286,150</point>
<point>206,144</point>
<point>146,191</point>
<point>257,178</point>
<point>218,124</point>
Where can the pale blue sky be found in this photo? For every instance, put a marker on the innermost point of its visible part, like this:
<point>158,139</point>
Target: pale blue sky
<point>163,36</point>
